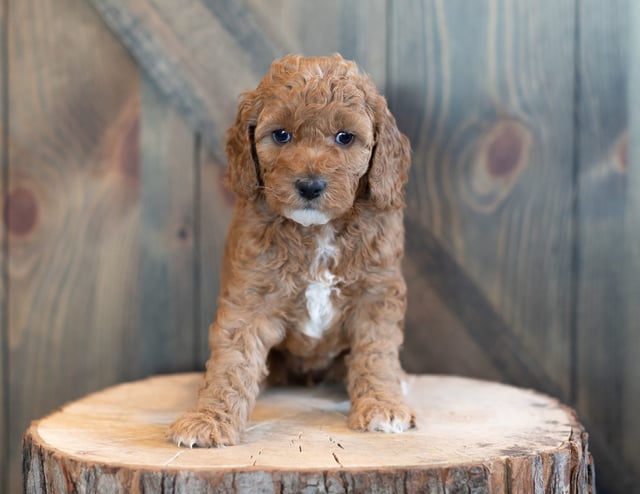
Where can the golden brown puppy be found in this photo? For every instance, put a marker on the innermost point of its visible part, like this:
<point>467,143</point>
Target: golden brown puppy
<point>312,261</point>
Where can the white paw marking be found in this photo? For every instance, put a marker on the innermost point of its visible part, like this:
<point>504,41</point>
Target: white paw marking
<point>404,386</point>
<point>182,442</point>
<point>393,426</point>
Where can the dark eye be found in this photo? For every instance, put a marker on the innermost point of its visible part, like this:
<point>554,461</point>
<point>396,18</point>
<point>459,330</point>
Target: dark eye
<point>281,136</point>
<point>344,138</point>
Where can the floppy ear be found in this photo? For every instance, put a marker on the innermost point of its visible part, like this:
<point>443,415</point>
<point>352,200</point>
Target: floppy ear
<point>390,159</point>
<point>243,173</point>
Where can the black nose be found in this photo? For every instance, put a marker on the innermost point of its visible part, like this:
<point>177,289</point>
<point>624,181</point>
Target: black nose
<point>310,188</point>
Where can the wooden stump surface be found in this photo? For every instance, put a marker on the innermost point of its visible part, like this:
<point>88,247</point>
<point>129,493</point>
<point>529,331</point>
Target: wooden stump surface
<point>471,436</point>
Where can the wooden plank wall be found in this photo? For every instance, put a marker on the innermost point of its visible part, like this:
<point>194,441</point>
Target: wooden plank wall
<point>4,345</point>
<point>631,390</point>
<point>488,187</point>
<point>72,210</point>
<point>522,235</point>
<point>166,255</point>
<point>605,333</point>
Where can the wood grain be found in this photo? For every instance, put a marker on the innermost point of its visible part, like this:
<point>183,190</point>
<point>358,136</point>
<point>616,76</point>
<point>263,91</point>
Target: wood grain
<point>4,164</point>
<point>470,434</point>
<point>215,204</point>
<point>631,372</point>
<point>173,42</point>
<point>605,269</point>
<point>490,182</point>
<point>72,203</point>
<point>356,30</point>
<point>166,332</point>
<point>464,298</point>
<point>444,344</point>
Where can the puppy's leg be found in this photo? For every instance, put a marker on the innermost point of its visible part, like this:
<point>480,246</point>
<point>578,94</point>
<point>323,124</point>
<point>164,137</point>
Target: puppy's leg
<point>374,371</point>
<point>231,383</point>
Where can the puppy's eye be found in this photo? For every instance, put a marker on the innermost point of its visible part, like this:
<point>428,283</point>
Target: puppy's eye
<point>281,136</point>
<point>344,138</point>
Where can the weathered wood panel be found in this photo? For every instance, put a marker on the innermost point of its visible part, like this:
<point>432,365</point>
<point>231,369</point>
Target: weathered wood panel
<point>190,54</point>
<point>478,88</point>
<point>356,30</point>
<point>436,339</point>
<point>604,268</point>
<point>115,225</point>
<point>4,364</point>
<point>214,213</point>
<point>631,372</point>
<point>72,196</point>
<point>360,37</point>
<point>166,332</point>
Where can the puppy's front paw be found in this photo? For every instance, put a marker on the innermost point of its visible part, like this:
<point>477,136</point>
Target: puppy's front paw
<point>204,428</point>
<point>371,414</point>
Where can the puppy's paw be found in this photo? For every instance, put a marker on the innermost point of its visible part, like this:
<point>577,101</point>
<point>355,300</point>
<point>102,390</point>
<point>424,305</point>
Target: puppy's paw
<point>371,414</point>
<point>205,429</point>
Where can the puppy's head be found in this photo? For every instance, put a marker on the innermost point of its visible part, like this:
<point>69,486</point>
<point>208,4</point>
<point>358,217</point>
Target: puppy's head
<point>313,137</point>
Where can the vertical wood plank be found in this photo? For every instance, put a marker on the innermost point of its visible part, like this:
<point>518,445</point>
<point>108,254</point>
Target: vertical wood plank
<point>72,209</point>
<point>484,90</point>
<point>631,389</point>
<point>310,28</point>
<point>4,388</point>
<point>606,267</point>
<point>166,328</point>
<point>428,321</point>
<point>215,204</point>
<point>352,28</point>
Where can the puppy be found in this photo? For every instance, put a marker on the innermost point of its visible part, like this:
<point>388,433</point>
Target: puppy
<point>312,262</point>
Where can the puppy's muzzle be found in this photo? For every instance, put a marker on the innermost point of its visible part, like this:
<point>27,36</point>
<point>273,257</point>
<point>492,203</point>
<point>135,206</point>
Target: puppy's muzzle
<point>310,188</point>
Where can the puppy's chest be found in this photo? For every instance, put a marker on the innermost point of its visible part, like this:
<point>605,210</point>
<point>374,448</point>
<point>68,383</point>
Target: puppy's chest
<point>321,287</point>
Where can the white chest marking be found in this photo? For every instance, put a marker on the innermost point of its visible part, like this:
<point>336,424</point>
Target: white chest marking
<point>307,217</point>
<point>322,283</point>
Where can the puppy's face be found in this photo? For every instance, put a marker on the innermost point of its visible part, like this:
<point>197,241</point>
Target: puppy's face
<point>304,140</point>
<point>314,135</point>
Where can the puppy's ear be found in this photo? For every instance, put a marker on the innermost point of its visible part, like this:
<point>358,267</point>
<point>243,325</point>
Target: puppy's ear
<point>243,173</point>
<point>390,159</point>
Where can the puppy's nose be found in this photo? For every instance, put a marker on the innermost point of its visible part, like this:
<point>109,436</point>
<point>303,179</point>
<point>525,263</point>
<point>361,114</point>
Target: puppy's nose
<point>310,188</point>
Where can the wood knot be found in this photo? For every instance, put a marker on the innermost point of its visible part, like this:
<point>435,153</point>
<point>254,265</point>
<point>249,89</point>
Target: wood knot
<point>20,211</point>
<point>504,151</point>
<point>496,160</point>
<point>183,233</point>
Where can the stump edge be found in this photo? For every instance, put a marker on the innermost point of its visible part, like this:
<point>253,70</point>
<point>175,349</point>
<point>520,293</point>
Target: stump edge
<point>568,468</point>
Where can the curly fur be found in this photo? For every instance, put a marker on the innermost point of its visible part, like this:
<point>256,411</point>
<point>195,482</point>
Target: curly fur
<point>310,288</point>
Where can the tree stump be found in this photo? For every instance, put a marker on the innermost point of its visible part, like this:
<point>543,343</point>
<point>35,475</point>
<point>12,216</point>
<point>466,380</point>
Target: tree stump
<point>471,436</point>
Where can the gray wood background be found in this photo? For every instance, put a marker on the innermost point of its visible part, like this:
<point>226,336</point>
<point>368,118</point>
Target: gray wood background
<point>523,246</point>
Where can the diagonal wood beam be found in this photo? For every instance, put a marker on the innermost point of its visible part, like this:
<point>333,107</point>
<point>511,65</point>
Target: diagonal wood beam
<point>469,305</point>
<point>192,55</point>
<point>240,22</point>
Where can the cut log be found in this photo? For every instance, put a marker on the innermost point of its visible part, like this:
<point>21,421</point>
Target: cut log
<point>471,436</point>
